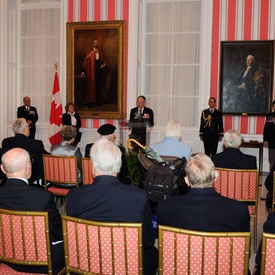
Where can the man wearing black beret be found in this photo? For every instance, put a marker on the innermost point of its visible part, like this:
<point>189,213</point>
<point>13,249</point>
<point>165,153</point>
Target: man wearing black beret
<point>107,131</point>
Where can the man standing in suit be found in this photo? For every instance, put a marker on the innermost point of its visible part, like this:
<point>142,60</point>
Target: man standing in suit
<point>141,114</point>
<point>202,208</point>
<point>232,157</point>
<point>21,130</point>
<point>269,136</point>
<point>109,200</point>
<point>30,114</point>
<point>211,128</point>
<point>16,194</point>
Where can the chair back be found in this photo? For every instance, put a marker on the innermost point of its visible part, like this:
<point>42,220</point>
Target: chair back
<point>241,185</point>
<point>238,184</point>
<point>61,170</point>
<point>267,254</point>
<point>195,252</point>
<point>102,248</point>
<point>87,175</point>
<point>25,238</point>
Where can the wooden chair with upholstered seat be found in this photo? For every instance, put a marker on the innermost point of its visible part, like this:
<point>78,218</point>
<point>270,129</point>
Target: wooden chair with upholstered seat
<point>102,247</point>
<point>87,175</point>
<point>60,171</point>
<point>25,238</point>
<point>267,254</point>
<point>193,252</point>
<point>241,185</point>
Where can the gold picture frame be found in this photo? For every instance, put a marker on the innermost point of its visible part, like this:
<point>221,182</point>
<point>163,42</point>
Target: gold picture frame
<point>95,68</point>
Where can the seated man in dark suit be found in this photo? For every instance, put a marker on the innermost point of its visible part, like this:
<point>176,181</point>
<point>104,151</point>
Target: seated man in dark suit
<point>202,208</point>
<point>108,131</point>
<point>107,199</point>
<point>268,227</point>
<point>269,186</point>
<point>232,157</point>
<point>16,194</point>
<point>34,147</point>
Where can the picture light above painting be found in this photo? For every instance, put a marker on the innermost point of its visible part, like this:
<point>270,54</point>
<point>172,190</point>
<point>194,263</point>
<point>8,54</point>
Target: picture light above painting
<point>95,68</point>
<point>246,77</point>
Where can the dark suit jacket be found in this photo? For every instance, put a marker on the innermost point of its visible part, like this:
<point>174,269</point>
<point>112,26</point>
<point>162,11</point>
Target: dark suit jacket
<point>31,145</point>
<point>213,128</point>
<point>22,112</point>
<point>204,209</point>
<point>17,195</point>
<point>268,227</point>
<point>269,130</point>
<point>107,199</point>
<point>66,120</point>
<point>146,110</point>
<point>233,158</point>
<point>140,133</point>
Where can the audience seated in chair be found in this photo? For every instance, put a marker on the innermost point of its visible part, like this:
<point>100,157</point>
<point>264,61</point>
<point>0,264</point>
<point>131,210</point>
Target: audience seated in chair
<point>268,227</point>
<point>232,157</point>
<point>16,194</point>
<point>65,148</point>
<point>269,186</point>
<point>107,199</point>
<point>202,208</point>
<point>108,131</point>
<point>171,144</point>
<point>34,147</point>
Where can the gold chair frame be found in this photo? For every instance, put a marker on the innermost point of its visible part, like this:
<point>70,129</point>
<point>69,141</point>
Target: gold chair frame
<point>87,176</point>
<point>244,193</point>
<point>72,245</point>
<point>12,252</point>
<point>266,239</point>
<point>171,238</point>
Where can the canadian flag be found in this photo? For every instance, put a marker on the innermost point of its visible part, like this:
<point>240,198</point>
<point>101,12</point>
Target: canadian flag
<point>56,113</point>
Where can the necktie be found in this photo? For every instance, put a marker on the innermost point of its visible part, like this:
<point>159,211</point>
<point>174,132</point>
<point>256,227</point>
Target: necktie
<point>139,115</point>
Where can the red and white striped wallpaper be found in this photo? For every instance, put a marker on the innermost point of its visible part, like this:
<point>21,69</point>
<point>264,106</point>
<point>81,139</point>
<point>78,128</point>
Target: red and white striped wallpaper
<point>240,20</point>
<point>232,20</point>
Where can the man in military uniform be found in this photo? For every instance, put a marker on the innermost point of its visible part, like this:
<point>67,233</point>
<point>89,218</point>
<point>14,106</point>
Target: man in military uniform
<point>211,128</point>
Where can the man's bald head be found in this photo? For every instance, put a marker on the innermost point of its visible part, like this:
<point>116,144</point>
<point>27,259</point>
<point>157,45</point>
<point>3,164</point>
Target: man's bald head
<point>16,163</point>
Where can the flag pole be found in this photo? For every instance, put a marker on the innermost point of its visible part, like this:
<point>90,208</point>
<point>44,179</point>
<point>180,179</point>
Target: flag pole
<point>56,65</point>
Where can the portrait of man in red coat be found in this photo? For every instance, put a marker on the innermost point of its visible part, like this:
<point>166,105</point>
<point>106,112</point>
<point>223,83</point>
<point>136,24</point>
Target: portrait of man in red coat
<point>97,72</point>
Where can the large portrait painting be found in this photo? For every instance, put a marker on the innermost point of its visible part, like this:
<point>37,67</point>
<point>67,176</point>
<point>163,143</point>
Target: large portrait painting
<point>95,68</point>
<point>246,77</point>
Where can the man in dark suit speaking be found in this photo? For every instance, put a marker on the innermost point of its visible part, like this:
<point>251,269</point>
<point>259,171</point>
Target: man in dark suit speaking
<point>202,208</point>
<point>109,200</point>
<point>232,157</point>
<point>141,114</point>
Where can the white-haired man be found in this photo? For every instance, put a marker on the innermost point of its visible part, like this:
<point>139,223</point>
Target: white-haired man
<point>202,208</point>
<point>35,147</point>
<point>107,199</point>
<point>232,157</point>
<point>171,144</point>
